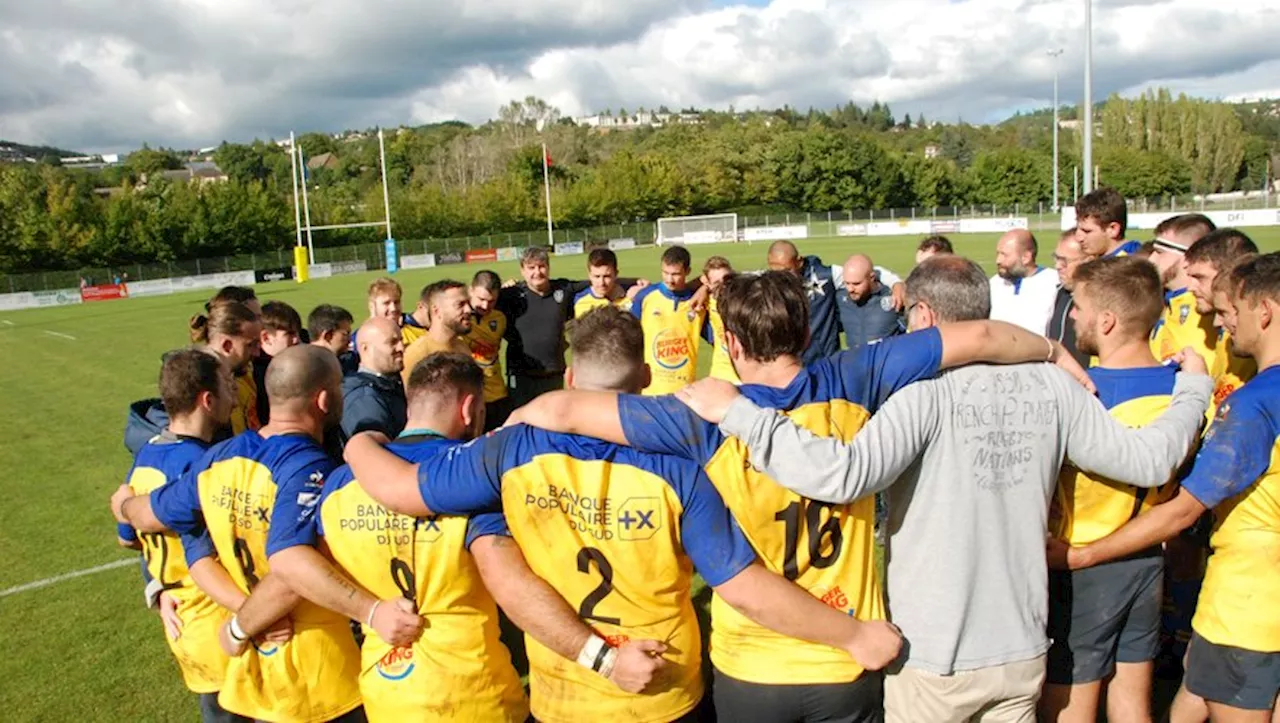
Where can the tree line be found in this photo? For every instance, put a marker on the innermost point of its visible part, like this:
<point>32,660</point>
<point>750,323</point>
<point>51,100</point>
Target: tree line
<point>452,179</point>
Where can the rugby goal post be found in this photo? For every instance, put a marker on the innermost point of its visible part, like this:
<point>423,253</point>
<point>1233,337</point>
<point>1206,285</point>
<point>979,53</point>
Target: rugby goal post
<point>710,229</point>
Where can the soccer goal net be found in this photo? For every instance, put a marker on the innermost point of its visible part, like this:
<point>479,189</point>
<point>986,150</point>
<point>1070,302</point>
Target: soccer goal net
<point>716,228</point>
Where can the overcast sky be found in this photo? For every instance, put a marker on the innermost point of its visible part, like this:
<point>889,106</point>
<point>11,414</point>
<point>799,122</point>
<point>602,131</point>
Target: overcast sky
<point>107,75</point>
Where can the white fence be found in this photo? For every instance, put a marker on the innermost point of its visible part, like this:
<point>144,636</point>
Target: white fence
<point>1247,217</point>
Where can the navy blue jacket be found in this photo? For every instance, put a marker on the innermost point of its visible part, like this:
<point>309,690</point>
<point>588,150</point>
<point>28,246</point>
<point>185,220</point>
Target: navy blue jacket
<point>871,320</point>
<point>373,401</point>
<point>824,329</point>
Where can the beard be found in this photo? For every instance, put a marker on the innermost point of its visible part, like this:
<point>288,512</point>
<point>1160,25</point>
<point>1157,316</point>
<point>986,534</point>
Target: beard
<point>1012,273</point>
<point>1086,341</point>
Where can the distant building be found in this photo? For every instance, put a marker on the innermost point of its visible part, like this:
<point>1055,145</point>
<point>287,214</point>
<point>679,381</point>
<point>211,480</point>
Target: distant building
<point>639,119</point>
<point>932,151</point>
<point>202,172</point>
<point>324,160</point>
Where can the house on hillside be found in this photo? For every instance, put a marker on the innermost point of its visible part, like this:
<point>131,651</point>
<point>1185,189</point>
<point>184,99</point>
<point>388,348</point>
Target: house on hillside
<point>324,160</point>
<point>932,151</point>
<point>201,172</point>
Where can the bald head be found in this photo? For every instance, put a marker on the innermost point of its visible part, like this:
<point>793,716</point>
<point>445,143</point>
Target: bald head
<point>381,346</point>
<point>1016,254</point>
<point>860,277</point>
<point>299,374</point>
<point>784,256</point>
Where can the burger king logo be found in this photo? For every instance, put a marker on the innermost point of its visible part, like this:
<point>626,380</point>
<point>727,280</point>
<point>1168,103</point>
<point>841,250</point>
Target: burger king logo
<point>397,664</point>
<point>671,349</point>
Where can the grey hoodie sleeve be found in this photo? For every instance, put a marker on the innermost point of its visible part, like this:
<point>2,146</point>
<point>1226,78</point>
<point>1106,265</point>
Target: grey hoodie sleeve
<point>1145,456</point>
<point>828,469</point>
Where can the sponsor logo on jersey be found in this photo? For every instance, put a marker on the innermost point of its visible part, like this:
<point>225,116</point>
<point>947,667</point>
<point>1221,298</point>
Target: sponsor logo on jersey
<point>639,518</point>
<point>671,349</point>
<point>397,664</point>
<point>266,650</point>
<point>836,598</point>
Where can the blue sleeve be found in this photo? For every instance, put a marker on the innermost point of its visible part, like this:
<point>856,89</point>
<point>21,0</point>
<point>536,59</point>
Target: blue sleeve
<point>197,547</point>
<point>364,411</point>
<point>467,480</point>
<point>1235,453</point>
<point>637,303</point>
<point>709,533</point>
<point>666,426</point>
<point>177,504</point>
<point>484,524</point>
<point>873,372</point>
<point>299,483</point>
<point>126,532</point>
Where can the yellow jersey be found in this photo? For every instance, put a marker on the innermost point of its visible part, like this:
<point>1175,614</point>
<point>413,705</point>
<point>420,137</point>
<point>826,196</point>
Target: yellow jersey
<point>713,333</point>
<point>1086,509</point>
<point>410,329</point>
<point>244,415</point>
<point>424,347</point>
<point>1237,475</point>
<point>671,331</point>
<point>203,664</point>
<point>586,300</point>
<point>255,497</point>
<point>617,533</point>
<point>1181,326</point>
<point>827,549</point>
<point>485,341</point>
<point>1229,372</point>
<point>458,670</point>
<point>1125,249</point>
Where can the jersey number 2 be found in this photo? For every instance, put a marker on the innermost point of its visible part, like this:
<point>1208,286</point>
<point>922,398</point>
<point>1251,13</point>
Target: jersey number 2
<point>817,530</point>
<point>587,610</point>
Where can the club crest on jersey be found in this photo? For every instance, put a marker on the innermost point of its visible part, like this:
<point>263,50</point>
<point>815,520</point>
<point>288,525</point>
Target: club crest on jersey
<point>558,295</point>
<point>1183,313</point>
<point>671,349</point>
<point>493,325</point>
<point>886,303</point>
<point>639,518</point>
<point>397,664</point>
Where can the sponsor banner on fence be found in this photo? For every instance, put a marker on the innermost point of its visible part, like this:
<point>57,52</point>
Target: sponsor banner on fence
<point>570,248</point>
<point>901,227</point>
<point>348,267</point>
<point>283,273</point>
<point>618,244</point>
<point>940,227</point>
<point>104,292</point>
<point>851,229</point>
<point>480,255</point>
<point>213,281</point>
<point>774,233</point>
<point>992,225</point>
<point>152,287</point>
<point>1223,219</point>
<point>418,261</point>
<point>449,257</point>
<point>697,237</point>
<point>316,271</point>
<point>59,297</point>
<point>17,300</point>
<point>509,253</point>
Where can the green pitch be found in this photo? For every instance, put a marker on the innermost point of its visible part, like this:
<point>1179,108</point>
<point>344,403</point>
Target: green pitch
<point>86,648</point>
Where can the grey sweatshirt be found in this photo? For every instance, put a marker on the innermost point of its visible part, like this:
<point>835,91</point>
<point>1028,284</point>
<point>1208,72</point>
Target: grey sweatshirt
<point>975,455</point>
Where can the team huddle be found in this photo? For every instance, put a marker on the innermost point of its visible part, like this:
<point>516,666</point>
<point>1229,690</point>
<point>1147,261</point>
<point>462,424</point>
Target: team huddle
<point>331,519</point>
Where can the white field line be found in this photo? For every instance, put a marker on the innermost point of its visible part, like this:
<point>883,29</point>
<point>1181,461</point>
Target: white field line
<point>6,322</point>
<point>59,334</point>
<point>67,576</point>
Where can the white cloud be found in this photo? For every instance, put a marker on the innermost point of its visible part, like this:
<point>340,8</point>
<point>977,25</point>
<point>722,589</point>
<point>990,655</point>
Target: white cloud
<point>191,73</point>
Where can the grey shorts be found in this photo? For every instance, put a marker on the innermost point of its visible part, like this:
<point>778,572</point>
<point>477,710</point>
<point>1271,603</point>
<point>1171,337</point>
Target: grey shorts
<point>1103,615</point>
<point>1232,676</point>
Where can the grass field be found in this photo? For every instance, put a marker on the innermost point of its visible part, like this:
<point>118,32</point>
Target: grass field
<point>85,648</point>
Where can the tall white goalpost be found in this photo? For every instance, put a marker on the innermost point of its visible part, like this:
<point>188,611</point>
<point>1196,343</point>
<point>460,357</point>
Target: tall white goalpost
<point>709,229</point>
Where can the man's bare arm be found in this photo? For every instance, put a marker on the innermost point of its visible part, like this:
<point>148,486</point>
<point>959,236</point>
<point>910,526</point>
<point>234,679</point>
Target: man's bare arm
<point>781,606</point>
<point>1152,527</point>
<point>211,577</point>
<point>389,480</point>
<point>135,510</point>
<point>592,414</point>
<point>271,599</point>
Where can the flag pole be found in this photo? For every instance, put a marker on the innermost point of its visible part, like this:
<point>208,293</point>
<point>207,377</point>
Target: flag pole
<point>546,187</point>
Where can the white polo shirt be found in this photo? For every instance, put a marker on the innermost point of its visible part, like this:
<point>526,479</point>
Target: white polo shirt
<point>1026,302</point>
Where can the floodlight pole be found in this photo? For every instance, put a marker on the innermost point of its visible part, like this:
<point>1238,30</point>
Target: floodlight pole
<point>386,195</point>
<point>1088,95</point>
<point>297,209</point>
<point>1054,54</point>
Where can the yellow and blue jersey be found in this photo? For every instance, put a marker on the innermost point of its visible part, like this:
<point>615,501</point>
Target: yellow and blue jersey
<point>485,341</point>
<point>410,329</point>
<point>586,300</point>
<point>244,414</point>
<point>256,497</point>
<point>1125,249</point>
<point>671,332</point>
<point>458,670</point>
<point>203,664</point>
<point>1237,475</point>
<point>1229,372</point>
<point>1181,326</point>
<point>713,334</point>
<point>826,549</point>
<point>617,533</point>
<point>1085,508</point>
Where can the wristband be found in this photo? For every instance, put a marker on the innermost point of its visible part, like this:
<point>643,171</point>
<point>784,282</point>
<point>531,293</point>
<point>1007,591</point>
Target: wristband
<point>593,653</point>
<point>1049,357</point>
<point>369,621</point>
<point>237,632</point>
<point>610,658</point>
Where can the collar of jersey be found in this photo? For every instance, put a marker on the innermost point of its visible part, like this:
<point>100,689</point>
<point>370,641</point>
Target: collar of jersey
<point>1169,296</point>
<point>674,295</point>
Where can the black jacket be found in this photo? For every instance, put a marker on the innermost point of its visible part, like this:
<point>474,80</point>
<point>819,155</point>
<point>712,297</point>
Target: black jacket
<point>373,401</point>
<point>1062,329</point>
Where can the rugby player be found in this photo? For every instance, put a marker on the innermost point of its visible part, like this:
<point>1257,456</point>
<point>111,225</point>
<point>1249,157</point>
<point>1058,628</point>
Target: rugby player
<point>329,327</point>
<point>233,331</point>
<point>281,329</point>
<point>415,323</point>
<point>671,325</point>
<point>614,531</point>
<point>715,271</point>
<point>1181,325</point>
<point>260,491</point>
<point>484,338</point>
<point>826,549</point>
<point>1101,220</point>
<point>1233,661</point>
<point>931,246</point>
<point>1205,260</point>
<point>451,318</point>
<point>602,272</point>
<point>242,294</point>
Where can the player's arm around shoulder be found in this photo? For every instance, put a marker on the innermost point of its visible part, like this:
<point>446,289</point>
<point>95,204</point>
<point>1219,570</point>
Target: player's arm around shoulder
<point>391,481</point>
<point>588,413</point>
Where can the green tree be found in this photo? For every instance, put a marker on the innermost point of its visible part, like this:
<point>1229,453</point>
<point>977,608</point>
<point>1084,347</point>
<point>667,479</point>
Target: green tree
<point>1009,176</point>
